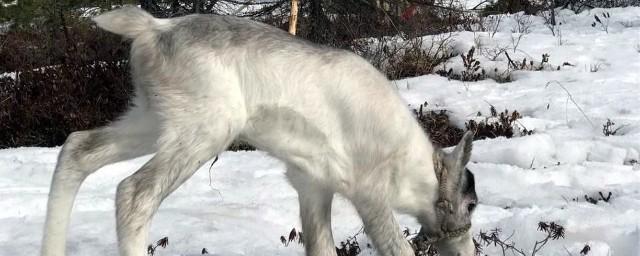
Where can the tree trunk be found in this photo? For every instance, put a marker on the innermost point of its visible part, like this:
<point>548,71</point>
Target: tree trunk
<point>293,19</point>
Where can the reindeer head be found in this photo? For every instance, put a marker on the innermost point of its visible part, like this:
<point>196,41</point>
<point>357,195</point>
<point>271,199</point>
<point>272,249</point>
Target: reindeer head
<point>449,227</point>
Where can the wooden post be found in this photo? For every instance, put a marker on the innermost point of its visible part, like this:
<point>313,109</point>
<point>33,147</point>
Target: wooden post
<point>293,19</point>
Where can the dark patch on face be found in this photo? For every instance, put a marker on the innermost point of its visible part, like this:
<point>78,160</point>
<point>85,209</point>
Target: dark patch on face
<point>470,189</point>
<point>470,182</point>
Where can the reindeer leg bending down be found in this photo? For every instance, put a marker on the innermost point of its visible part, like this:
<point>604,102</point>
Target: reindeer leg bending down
<point>204,80</point>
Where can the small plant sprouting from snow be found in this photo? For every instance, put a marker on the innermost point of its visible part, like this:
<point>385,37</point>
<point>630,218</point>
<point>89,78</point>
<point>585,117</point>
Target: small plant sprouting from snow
<point>585,250</point>
<point>472,70</point>
<point>602,21</point>
<point>349,247</point>
<point>493,24</point>
<point>594,67</point>
<point>596,199</point>
<point>530,65</point>
<point>521,27</point>
<point>472,66</point>
<point>609,128</point>
<point>293,237</point>
<point>552,230</point>
<point>151,249</point>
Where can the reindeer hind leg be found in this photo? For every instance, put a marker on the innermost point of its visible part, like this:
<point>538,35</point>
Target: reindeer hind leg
<point>83,153</point>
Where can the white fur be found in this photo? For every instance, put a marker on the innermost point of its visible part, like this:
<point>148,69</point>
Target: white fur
<point>334,120</point>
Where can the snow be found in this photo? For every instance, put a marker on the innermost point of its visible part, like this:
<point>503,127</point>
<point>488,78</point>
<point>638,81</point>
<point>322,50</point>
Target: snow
<point>474,4</point>
<point>11,75</point>
<point>9,3</point>
<point>243,204</point>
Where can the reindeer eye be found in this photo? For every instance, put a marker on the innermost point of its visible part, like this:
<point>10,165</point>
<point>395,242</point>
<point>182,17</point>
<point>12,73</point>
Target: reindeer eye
<point>471,206</point>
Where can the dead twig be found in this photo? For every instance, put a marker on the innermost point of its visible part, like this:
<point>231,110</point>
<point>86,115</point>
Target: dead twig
<point>572,100</point>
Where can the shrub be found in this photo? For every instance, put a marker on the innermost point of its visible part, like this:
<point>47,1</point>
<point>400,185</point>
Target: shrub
<point>415,59</point>
<point>580,5</point>
<point>499,124</point>
<point>443,134</point>
<point>513,6</point>
<point>41,107</point>
<point>390,40</point>
<point>61,80</point>
<point>436,124</point>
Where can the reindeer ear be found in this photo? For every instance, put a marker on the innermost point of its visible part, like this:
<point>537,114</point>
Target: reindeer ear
<point>462,153</point>
<point>455,163</point>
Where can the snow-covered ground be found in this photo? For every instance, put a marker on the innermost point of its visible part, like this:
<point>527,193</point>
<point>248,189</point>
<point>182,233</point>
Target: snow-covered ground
<point>243,204</point>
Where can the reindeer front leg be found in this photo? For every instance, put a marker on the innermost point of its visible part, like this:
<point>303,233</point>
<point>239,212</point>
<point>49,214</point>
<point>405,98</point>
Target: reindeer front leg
<point>315,214</point>
<point>381,226</point>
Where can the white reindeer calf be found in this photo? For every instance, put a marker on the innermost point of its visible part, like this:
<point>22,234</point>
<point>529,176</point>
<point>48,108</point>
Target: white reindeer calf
<point>204,80</point>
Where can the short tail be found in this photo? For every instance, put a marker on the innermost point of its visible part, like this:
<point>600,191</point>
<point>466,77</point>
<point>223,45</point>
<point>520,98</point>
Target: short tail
<point>128,21</point>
